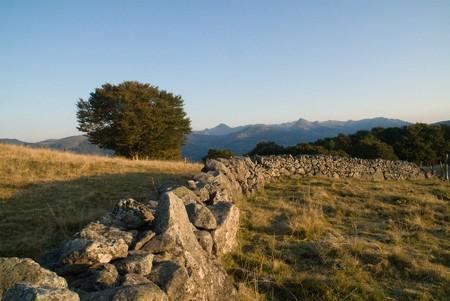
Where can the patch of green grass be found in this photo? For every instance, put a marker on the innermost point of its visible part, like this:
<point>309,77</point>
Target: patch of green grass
<point>340,239</point>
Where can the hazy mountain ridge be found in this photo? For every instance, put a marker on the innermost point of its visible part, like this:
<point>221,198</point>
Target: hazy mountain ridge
<point>243,138</point>
<point>76,144</point>
<point>240,139</point>
<point>446,122</point>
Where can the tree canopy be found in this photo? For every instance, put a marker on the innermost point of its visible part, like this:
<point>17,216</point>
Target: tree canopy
<point>135,120</point>
<point>218,153</point>
<point>419,143</point>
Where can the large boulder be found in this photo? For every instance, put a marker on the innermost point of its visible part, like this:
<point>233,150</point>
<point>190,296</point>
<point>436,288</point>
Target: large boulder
<point>201,217</point>
<point>95,244</point>
<point>191,273</point>
<point>24,270</point>
<point>29,292</point>
<point>224,236</point>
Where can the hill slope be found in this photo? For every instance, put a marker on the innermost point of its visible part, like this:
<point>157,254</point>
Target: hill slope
<point>46,196</point>
<point>76,144</point>
<point>341,239</point>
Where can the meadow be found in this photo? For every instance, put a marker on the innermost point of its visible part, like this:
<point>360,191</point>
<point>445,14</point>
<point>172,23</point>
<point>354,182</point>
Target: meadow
<point>341,239</point>
<point>46,196</point>
<point>299,238</point>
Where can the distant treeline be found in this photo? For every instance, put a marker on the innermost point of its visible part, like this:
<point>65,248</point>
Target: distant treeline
<point>419,143</point>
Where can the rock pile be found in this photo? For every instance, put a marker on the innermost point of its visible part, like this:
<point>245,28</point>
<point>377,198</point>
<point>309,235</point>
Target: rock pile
<point>168,250</point>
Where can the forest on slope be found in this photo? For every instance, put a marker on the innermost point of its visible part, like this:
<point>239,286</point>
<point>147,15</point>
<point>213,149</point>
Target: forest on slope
<point>419,143</point>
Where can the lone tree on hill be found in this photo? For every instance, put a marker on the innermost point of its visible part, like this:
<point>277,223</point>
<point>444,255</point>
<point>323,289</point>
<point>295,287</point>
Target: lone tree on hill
<point>135,120</point>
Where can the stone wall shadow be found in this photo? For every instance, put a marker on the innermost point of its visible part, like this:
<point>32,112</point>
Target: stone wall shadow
<point>41,216</point>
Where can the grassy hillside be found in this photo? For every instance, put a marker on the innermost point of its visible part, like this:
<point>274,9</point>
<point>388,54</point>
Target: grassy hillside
<point>330,239</point>
<point>46,196</point>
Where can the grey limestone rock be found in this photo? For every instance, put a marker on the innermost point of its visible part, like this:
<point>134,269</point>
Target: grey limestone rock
<point>224,237</point>
<point>138,262</point>
<point>141,292</point>
<point>201,217</point>
<point>132,214</point>
<point>15,270</point>
<point>95,244</point>
<point>29,292</point>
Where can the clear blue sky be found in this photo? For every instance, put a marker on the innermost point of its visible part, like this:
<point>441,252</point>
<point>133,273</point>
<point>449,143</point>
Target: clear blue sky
<point>236,62</point>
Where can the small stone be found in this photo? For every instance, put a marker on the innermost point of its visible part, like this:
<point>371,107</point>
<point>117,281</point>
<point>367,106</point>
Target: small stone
<point>160,243</point>
<point>103,295</point>
<point>192,184</point>
<point>142,292</point>
<point>132,214</point>
<point>171,278</point>
<point>201,216</point>
<point>185,194</point>
<point>205,240</point>
<point>105,277</point>
<point>144,238</point>
<point>138,262</point>
<point>153,204</point>
<point>134,279</point>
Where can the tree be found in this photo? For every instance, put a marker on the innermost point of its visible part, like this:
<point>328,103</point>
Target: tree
<point>370,147</point>
<point>419,143</point>
<point>267,148</point>
<point>218,153</point>
<point>135,120</point>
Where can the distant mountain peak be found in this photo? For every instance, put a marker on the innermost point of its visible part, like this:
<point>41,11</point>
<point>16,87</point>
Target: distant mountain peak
<point>303,120</point>
<point>222,126</point>
<point>218,130</point>
<point>303,123</point>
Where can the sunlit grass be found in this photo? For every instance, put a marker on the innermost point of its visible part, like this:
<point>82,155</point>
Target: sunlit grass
<point>46,196</point>
<point>331,239</point>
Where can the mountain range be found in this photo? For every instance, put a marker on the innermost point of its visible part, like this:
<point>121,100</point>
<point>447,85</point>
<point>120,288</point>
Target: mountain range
<point>240,139</point>
<point>76,144</point>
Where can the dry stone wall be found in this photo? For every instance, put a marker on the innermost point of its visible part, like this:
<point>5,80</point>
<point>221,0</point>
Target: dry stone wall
<point>168,249</point>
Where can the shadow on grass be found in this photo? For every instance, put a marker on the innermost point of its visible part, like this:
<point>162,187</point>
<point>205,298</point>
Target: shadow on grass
<point>43,215</point>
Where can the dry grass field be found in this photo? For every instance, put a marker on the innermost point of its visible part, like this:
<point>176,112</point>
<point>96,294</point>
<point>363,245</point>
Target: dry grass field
<point>338,239</point>
<point>300,239</point>
<point>46,196</point>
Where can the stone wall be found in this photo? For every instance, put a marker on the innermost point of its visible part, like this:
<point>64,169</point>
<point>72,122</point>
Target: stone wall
<point>168,249</point>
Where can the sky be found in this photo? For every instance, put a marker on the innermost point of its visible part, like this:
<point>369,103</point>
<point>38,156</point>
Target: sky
<point>233,62</point>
